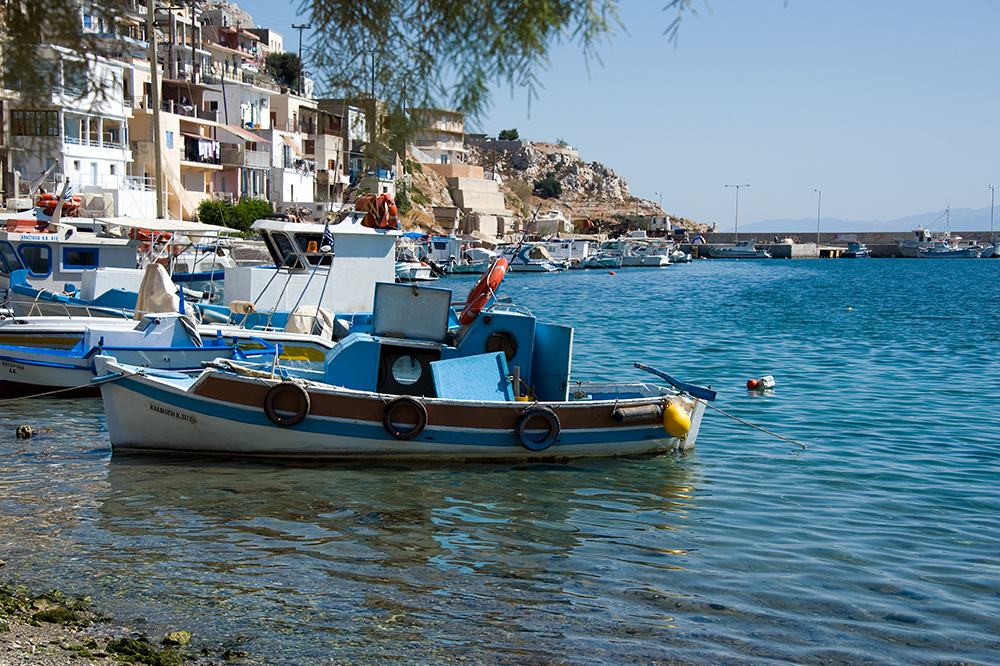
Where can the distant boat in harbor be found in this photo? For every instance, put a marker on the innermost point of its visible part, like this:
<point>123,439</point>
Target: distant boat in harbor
<point>738,250</point>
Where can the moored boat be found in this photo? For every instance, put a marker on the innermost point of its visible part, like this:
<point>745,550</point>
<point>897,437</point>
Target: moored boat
<point>414,388</point>
<point>745,249</point>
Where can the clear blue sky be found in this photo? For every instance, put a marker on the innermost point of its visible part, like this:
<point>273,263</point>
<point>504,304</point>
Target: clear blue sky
<point>890,107</point>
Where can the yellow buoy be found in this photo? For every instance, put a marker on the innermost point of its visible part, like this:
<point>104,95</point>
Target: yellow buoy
<point>676,419</point>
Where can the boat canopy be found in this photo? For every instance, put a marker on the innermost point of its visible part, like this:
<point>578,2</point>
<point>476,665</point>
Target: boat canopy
<point>173,226</point>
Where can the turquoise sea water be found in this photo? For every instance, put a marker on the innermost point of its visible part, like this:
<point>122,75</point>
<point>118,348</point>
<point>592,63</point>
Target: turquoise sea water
<point>876,543</point>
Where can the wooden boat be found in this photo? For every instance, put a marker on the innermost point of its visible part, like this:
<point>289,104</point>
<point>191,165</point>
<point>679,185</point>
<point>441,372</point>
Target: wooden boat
<point>163,340</point>
<point>416,387</point>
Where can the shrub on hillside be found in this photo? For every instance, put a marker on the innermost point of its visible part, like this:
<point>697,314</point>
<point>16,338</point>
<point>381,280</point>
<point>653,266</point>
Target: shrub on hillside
<point>508,135</point>
<point>548,188</point>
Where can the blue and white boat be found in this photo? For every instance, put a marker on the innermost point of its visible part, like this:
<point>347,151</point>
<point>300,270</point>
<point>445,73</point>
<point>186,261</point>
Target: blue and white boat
<point>168,341</point>
<point>530,258</point>
<point>745,249</point>
<point>417,387</point>
<point>856,250</point>
<point>92,267</point>
<point>945,250</point>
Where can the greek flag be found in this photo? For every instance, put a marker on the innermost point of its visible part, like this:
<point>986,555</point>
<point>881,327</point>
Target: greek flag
<point>327,244</point>
<point>67,191</point>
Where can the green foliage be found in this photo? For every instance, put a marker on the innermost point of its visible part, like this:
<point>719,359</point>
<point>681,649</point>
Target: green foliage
<point>508,135</point>
<point>248,211</point>
<point>418,197</point>
<point>403,205</point>
<point>401,52</point>
<point>284,67</point>
<point>548,188</point>
<point>562,142</point>
<point>225,214</point>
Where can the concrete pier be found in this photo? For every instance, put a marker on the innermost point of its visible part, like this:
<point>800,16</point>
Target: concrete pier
<point>830,245</point>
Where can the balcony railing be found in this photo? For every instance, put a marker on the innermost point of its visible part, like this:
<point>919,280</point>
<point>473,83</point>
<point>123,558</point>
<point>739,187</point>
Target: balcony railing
<point>175,107</point>
<point>93,143</point>
<point>244,157</point>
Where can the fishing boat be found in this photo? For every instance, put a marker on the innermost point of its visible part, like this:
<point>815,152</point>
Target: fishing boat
<point>412,264</point>
<point>601,259</point>
<point>494,385</point>
<point>529,258</point>
<point>92,267</point>
<point>168,341</point>
<point>745,249</point>
<point>945,250</point>
<point>856,250</point>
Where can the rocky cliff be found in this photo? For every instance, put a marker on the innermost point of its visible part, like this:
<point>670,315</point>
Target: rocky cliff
<point>590,191</point>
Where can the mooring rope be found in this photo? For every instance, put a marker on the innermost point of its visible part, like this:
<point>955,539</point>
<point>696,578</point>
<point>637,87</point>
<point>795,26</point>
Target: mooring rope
<point>747,423</point>
<point>103,380</point>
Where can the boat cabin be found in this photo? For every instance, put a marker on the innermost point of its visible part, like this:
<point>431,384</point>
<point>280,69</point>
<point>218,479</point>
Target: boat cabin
<point>417,348</point>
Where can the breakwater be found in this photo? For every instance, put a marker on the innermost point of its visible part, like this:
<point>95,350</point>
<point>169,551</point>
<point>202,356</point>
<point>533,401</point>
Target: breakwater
<point>880,243</point>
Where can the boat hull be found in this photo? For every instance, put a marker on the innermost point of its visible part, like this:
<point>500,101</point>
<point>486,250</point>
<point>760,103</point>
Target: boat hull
<point>224,414</point>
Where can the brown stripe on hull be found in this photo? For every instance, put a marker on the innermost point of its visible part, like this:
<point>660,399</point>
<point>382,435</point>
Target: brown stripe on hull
<point>576,415</point>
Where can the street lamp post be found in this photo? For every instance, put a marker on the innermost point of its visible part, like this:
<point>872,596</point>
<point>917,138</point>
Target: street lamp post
<point>819,203</point>
<point>992,192</point>
<point>736,226</point>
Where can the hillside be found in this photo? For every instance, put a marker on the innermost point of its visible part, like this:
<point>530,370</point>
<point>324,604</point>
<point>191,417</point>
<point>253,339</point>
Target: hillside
<point>590,191</point>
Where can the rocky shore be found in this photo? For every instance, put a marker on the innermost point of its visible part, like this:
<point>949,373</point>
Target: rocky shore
<point>52,629</point>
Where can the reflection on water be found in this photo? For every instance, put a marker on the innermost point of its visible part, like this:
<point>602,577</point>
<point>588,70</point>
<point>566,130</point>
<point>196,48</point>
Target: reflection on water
<point>373,558</point>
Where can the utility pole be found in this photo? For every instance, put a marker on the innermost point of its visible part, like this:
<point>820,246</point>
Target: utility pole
<point>154,90</point>
<point>819,203</point>
<point>300,28</point>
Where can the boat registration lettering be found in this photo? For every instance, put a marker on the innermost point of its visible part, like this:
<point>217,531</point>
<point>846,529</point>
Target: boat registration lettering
<point>166,411</point>
<point>12,367</point>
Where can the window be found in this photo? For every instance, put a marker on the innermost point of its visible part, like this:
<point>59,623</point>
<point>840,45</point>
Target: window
<point>79,258</point>
<point>37,259</point>
<point>10,261</point>
<point>170,139</point>
<point>112,169</point>
<point>34,123</point>
<point>76,165</point>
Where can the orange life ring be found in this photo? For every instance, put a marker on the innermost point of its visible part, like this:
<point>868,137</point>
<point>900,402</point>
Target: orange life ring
<point>380,211</point>
<point>483,290</point>
<point>147,236</point>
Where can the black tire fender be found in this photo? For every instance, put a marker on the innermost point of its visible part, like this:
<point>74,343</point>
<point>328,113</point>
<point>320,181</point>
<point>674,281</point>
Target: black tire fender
<point>537,411</point>
<point>300,413</point>
<point>404,401</point>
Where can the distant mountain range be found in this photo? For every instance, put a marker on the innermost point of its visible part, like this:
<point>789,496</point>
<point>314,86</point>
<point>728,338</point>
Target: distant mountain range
<point>962,219</point>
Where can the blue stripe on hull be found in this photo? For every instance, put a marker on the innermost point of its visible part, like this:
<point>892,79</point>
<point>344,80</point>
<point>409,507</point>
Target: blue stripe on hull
<point>209,428</point>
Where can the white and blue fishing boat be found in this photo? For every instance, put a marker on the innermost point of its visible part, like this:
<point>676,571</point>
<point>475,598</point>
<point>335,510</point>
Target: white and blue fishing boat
<point>529,258</point>
<point>945,250</point>
<point>856,250</point>
<point>168,341</point>
<point>745,249</point>
<point>417,387</point>
<point>92,267</point>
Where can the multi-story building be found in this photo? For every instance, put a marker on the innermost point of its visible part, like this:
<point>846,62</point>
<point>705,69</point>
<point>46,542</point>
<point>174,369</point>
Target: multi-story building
<point>226,130</point>
<point>442,135</point>
<point>83,136</point>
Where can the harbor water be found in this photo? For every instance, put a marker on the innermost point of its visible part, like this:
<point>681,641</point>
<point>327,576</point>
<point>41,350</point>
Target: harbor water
<point>872,538</point>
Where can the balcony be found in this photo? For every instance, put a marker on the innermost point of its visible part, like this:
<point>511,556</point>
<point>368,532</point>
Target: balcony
<point>240,156</point>
<point>175,107</point>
